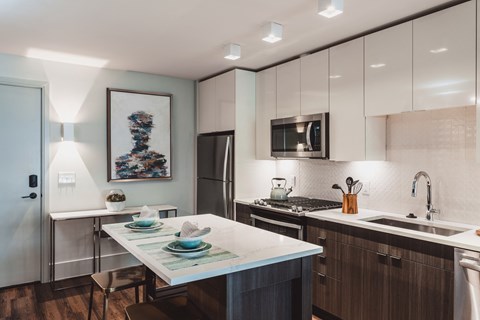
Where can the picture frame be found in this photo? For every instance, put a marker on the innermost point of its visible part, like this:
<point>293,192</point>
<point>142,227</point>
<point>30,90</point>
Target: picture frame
<point>138,135</point>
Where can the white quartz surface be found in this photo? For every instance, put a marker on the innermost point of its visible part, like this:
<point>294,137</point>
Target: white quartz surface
<point>254,248</point>
<point>467,239</point>
<point>105,213</point>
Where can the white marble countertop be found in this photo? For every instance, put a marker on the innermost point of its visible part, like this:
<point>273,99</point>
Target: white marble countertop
<point>69,215</point>
<point>254,248</point>
<point>467,239</point>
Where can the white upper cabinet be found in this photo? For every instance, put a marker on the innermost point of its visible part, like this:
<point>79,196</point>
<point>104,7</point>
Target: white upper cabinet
<point>225,100</point>
<point>314,83</point>
<point>206,106</point>
<point>216,104</point>
<point>265,111</point>
<point>347,119</point>
<point>288,89</point>
<point>388,71</point>
<point>353,137</point>
<point>444,58</point>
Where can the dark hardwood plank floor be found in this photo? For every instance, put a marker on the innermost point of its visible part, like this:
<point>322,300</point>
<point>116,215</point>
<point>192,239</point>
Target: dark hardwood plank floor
<point>38,302</point>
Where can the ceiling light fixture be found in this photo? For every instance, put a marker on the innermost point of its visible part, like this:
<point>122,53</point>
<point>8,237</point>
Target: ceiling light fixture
<point>330,8</point>
<point>439,50</point>
<point>273,32</point>
<point>232,51</point>
<point>377,65</point>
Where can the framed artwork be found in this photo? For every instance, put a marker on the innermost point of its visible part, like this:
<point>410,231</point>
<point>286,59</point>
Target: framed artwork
<point>138,135</point>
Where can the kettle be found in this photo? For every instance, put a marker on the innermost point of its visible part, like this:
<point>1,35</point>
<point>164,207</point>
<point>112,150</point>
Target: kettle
<point>279,192</point>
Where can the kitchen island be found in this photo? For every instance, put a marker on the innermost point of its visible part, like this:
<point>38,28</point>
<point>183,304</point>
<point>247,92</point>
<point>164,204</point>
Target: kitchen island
<point>248,274</point>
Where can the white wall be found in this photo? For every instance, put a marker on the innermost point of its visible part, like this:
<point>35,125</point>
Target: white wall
<point>78,94</point>
<point>442,143</point>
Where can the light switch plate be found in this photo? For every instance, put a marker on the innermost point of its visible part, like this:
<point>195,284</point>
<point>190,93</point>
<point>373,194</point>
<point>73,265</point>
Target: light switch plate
<point>66,178</point>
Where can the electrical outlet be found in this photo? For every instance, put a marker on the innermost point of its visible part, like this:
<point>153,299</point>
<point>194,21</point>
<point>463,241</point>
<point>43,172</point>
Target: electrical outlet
<point>293,180</point>
<point>366,188</point>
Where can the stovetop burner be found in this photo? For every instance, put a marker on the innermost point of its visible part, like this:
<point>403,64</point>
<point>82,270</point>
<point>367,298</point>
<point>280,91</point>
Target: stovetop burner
<point>299,204</point>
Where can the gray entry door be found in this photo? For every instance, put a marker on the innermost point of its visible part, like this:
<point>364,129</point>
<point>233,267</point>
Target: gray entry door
<point>20,227</point>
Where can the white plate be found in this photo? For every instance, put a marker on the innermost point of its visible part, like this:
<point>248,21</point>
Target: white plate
<point>194,254</point>
<point>176,247</point>
<point>132,226</point>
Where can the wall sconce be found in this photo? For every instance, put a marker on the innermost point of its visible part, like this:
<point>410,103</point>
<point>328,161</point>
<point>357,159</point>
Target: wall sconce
<point>68,131</point>
<point>330,8</point>
<point>232,51</point>
<point>273,32</point>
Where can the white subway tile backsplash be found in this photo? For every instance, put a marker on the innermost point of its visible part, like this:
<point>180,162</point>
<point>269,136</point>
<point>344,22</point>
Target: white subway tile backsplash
<point>440,142</point>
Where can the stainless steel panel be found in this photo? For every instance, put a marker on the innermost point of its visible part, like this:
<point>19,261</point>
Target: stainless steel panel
<point>298,119</point>
<point>467,285</point>
<point>214,157</point>
<point>215,197</point>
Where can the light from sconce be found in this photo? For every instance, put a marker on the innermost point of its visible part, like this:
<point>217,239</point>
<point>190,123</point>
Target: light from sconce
<point>68,131</point>
<point>330,8</point>
<point>232,51</point>
<point>273,32</point>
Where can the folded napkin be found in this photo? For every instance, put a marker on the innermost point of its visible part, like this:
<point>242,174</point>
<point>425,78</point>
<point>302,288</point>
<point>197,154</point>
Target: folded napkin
<point>146,212</point>
<point>190,230</point>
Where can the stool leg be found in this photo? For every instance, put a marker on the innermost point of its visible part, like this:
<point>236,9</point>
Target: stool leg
<point>105,306</point>
<point>137,296</point>
<point>90,304</point>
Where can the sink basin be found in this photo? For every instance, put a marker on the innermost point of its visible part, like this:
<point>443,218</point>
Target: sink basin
<point>417,226</point>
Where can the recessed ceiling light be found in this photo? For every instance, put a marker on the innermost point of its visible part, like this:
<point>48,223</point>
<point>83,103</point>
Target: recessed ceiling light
<point>273,32</point>
<point>439,50</point>
<point>377,65</point>
<point>330,8</point>
<point>335,76</point>
<point>232,51</point>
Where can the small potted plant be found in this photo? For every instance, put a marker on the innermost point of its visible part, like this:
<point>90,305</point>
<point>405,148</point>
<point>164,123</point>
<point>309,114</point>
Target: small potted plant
<point>115,200</point>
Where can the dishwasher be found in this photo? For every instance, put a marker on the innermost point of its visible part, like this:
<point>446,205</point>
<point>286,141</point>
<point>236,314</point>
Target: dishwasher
<point>467,285</point>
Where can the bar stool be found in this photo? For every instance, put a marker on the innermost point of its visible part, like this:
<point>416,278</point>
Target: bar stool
<point>174,308</point>
<point>116,280</point>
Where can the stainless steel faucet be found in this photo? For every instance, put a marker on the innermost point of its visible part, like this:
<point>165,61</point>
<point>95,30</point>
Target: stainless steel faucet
<point>430,209</point>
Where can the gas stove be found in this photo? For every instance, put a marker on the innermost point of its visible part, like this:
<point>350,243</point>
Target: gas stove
<point>297,205</point>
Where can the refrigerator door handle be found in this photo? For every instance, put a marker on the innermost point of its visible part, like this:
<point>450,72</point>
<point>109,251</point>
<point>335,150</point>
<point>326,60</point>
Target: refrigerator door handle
<point>225,159</point>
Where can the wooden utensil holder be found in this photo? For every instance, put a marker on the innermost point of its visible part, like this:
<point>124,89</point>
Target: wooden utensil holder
<point>350,205</point>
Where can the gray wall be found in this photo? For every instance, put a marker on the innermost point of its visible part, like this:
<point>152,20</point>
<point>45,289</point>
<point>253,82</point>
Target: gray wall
<point>78,94</point>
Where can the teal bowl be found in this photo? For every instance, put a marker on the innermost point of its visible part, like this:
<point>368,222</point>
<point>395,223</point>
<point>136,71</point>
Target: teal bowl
<point>188,243</point>
<point>143,222</point>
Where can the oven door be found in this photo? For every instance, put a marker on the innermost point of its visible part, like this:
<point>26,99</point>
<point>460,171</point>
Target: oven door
<point>288,229</point>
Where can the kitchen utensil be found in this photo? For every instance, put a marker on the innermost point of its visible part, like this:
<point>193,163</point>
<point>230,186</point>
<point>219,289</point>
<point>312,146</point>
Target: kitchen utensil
<point>350,205</point>
<point>354,183</point>
<point>279,192</point>
<point>349,182</point>
<point>357,188</point>
<point>336,186</point>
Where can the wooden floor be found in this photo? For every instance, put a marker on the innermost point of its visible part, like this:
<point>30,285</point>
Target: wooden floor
<point>38,302</point>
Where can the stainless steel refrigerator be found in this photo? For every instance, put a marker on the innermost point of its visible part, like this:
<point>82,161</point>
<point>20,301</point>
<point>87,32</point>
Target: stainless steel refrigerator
<point>215,175</point>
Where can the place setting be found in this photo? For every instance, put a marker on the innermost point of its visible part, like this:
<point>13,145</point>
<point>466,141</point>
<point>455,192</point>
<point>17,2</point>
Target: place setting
<point>146,221</point>
<point>188,242</point>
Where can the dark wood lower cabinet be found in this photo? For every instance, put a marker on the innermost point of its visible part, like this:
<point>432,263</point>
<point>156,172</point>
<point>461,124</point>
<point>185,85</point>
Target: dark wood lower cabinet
<point>380,277</point>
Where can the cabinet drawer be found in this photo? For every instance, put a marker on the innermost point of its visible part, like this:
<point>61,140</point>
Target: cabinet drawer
<point>328,262</point>
<point>424,252</point>
<point>242,214</point>
<point>363,238</point>
<point>327,294</point>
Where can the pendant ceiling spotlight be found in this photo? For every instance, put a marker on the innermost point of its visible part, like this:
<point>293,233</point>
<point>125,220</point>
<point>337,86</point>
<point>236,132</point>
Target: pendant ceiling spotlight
<point>232,51</point>
<point>330,8</point>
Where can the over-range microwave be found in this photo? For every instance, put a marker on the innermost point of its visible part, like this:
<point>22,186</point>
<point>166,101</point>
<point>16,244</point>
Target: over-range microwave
<point>301,137</point>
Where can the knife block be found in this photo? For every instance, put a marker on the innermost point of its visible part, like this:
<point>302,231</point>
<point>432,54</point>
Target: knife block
<point>350,205</point>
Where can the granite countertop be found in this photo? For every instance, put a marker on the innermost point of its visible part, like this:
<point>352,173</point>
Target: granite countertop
<point>253,247</point>
<point>466,239</point>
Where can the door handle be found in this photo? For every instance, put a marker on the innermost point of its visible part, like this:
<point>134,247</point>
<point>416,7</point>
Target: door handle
<point>32,195</point>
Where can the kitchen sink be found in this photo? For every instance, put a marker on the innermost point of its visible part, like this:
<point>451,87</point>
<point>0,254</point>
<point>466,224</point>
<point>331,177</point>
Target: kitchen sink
<point>417,226</point>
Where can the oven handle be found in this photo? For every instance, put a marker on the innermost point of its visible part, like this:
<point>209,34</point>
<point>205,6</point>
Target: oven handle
<point>469,265</point>
<point>279,223</point>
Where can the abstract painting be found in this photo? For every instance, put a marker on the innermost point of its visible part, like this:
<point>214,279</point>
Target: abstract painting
<point>138,135</point>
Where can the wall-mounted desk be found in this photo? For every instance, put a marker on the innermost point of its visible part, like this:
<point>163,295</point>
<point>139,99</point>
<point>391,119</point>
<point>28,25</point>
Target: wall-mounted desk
<point>96,216</point>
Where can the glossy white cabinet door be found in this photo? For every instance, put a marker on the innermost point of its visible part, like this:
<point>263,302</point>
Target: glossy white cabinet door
<point>266,101</point>
<point>444,58</point>
<point>314,83</point>
<point>347,120</point>
<point>288,89</point>
<point>225,101</point>
<point>388,71</point>
<point>206,106</point>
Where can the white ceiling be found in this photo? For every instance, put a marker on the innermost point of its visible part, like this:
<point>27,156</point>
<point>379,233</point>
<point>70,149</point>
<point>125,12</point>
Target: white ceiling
<point>185,38</point>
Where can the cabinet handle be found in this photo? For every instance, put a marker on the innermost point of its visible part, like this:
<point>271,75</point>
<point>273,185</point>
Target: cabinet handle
<point>321,275</point>
<point>321,256</point>
<point>396,258</point>
<point>322,238</point>
<point>381,254</point>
